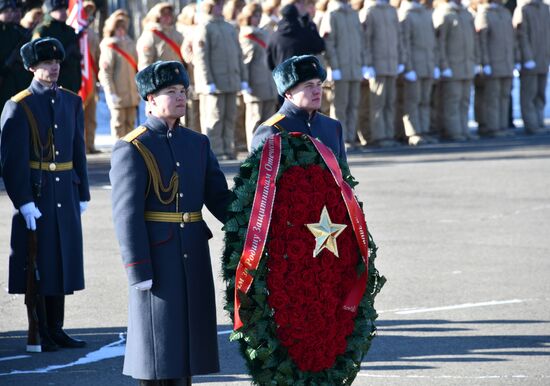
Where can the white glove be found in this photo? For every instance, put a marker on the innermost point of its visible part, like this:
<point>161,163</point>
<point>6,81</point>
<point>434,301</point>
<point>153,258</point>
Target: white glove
<point>83,206</point>
<point>336,74</point>
<point>411,76</point>
<point>487,70</point>
<point>31,213</point>
<point>447,73</point>
<point>400,68</point>
<point>112,99</point>
<point>517,68</point>
<point>245,87</point>
<point>529,65</point>
<point>437,73</point>
<point>369,73</point>
<point>144,285</point>
<point>210,88</point>
<point>477,69</point>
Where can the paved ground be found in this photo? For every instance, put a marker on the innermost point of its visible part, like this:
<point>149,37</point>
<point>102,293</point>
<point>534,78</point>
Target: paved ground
<point>463,232</point>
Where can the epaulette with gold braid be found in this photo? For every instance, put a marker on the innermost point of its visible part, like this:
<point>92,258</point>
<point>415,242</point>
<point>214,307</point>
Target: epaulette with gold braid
<point>21,95</point>
<point>134,133</point>
<point>69,91</point>
<point>273,120</point>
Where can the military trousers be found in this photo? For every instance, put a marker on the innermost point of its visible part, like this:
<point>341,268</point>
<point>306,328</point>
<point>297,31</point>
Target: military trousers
<point>192,114</point>
<point>218,121</point>
<point>123,120</point>
<point>455,101</point>
<point>345,103</point>
<point>90,121</point>
<point>416,106</point>
<point>363,112</point>
<point>381,108</point>
<point>256,113</point>
<point>240,124</point>
<point>479,100</point>
<point>496,99</point>
<point>532,100</point>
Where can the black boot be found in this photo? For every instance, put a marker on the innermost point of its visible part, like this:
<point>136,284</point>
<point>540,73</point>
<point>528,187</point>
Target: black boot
<point>146,382</point>
<point>55,309</point>
<point>46,341</point>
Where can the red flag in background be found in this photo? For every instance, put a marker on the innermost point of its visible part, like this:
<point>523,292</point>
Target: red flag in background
<point>78,19</point>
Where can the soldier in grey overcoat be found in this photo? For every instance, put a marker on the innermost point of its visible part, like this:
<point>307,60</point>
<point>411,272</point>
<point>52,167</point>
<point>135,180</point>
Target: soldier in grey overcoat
<point>162,174</point>
<point>44,164</point>
<point>299,81</point>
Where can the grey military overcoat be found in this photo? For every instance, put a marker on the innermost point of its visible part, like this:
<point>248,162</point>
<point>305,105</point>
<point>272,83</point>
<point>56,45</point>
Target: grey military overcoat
<point>172,330</point>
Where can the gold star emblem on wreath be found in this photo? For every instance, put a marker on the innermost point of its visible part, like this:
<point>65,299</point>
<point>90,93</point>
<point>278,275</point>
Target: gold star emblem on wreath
<point>325,233</point>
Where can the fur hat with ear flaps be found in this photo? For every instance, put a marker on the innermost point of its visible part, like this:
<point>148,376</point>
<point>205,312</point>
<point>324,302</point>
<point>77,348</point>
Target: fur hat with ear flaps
<point>297,69</point>
<point>40,50</point>
<point>7,4</point>
<point>52,5</point>
<point>160,75</point>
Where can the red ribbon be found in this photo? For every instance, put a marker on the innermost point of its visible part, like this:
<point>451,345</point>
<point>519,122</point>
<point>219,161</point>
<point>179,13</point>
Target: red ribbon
<point>175,46</point>
<point>124,54</point>
<point>357,221</point>
<point>260,219</point>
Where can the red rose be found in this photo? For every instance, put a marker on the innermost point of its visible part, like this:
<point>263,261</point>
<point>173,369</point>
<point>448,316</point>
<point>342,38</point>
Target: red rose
<point>282,198</point>
<point>275,282</point>
<point>317,199</point>
<point>329,179</point>
<point>276,247</point>
<point>299,214</point>
<point>300,198</point>
<point>333,196</point>
<point>285,336</point>
<point>291,284</point>
<point>277,300</point>
<point>328,260</point>
<point>339,213</point>
<point>282,318</point>
<point>296,250</point>
<point>317,176</point>
<point>308,278</point>
<point>304,184</point>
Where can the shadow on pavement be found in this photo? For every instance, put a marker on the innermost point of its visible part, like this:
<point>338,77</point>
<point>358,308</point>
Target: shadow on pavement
<point>400,349</point>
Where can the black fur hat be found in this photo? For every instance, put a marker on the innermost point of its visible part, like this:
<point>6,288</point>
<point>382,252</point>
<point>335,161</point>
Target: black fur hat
<point>52,5</point>
<point>6,4</point>
<point>297,69</point>
<point>159,75</point>
<point>41,49</point>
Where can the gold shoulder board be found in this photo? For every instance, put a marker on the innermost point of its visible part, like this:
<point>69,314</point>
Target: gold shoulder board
<point>273,120</point>
<point>21,95</point>
<point>69,91</point>
<point>134,134</point>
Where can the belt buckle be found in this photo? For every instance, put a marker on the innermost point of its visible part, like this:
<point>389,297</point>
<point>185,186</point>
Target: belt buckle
<point>52,166</point>
<point>185,217</point>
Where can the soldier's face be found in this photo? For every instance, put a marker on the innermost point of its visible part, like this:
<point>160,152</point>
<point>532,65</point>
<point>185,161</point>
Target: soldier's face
<point>7,15</point>
<point>306,95</point>
<point>59,14</point>
<point>169,103</point>
<point>46,71</point>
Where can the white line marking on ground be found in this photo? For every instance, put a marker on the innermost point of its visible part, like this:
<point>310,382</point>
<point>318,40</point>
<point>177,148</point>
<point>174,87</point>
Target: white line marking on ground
<point>225,332</point>
<point>112,350</point>
<point>459,306</point>
<point>13,358</point>
<point>391,376</point>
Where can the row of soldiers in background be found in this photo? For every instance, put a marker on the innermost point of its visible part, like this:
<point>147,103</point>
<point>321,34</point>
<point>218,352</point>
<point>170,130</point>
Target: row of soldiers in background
<point>424,58</point>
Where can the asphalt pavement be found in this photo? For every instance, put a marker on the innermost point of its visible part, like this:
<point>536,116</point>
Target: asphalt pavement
<point>463,231</point>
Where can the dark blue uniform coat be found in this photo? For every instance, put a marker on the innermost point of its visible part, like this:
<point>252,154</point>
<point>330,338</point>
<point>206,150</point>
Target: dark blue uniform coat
<point>60,260</point>
<point>172,331</point>
<point>327,130</point>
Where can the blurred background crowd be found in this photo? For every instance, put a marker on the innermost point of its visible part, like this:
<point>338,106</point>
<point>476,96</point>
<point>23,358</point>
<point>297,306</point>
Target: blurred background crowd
<point>399,72</point>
